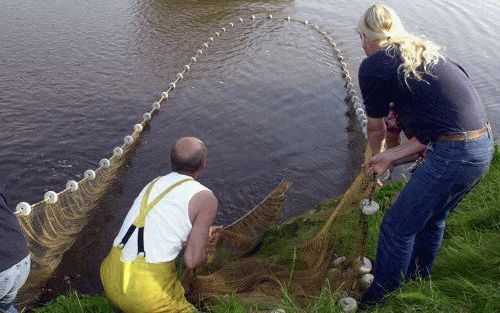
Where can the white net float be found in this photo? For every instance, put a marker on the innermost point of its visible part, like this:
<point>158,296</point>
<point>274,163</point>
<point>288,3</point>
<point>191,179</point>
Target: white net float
<point>306,22</point>
<point>156,105</point>
<point>348,79</point>
<point>147,116</point>
<point>270,16</point>
<point>253,17</point>
<point>338,51</point>
<point>357,105</point>
<point>323,33</point>
<point>231,24</point>
<point>348,304</point>
<point>339,261</point>
<point>164,95</point>
<point>205,45</point>
<point>211,39</point>
<point>217,34</point>
<point>366,280</point>
<point>223,29</point>
<point>90,174</point>
<point>385,175</point>
<point>187,67</point>
<point>50,197</point>
<point>354,98</point>
<point>334,44</point>
<point>104,163</point>
<point>343,65</point>
<point>199,52</point>
<point>23,208</point>
<point>316,27</point>
<point>340,58</point>
<point>359,111</point>
<point>180,76</point>
<point>345,73</point>
<point>141,254</point>
<point>193,59</point>
<point>128,139</point>
<point>365,266</point>
<point>138,128</point>
<point>369,207</point>
<point>240,19</point>
<point>365,132</point>
<point>363,122</point>
<point>352,92</point>
<point>118,151</point>
<point>278,311</point>
<point>172,85</point>
<point>72,185</point>
<point>288,18</point>
<point>362,117</point>
<point>349,85</point>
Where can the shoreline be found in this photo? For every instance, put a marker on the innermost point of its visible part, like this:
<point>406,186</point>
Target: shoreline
<point>465,276</point>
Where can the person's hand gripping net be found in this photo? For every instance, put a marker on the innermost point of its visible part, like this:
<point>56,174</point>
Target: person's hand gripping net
<point>377,164</point>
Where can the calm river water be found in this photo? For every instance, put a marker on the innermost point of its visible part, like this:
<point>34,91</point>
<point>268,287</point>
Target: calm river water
<point>266,98</point>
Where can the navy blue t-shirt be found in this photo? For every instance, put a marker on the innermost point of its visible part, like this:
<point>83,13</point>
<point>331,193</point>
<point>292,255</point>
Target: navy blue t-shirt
<point>446,102</point>
<point>13,246</point>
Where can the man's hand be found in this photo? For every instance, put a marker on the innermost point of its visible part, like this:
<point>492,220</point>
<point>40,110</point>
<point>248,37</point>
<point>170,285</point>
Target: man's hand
<point>378,163</point>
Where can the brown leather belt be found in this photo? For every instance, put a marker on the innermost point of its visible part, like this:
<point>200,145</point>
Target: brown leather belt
<point>465,135</point>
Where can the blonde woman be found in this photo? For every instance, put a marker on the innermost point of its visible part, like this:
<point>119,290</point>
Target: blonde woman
<point>436,102</point>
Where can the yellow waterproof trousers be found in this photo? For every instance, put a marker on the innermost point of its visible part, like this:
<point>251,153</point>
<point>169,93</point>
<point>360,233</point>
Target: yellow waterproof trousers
<point>140,287</point>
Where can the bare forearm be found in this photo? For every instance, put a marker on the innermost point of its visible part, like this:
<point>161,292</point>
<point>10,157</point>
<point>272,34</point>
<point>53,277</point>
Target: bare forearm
<point>376,138</point>
<point>376,134</point>
<point>408,149</point>
<point>408,159</point>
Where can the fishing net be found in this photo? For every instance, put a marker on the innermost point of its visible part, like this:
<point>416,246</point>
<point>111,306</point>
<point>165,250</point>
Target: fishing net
<point>252,257</point>
<point>52,228</point>
<point>293,257</point>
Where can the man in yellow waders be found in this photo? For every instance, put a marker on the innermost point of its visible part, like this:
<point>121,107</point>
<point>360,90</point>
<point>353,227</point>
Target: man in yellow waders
<point>172,211</point>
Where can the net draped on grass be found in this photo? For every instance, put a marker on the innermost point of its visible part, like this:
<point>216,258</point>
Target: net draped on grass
<point>288,258</point>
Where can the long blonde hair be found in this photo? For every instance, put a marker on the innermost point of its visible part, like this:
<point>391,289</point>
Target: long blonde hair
<point>382,26</point>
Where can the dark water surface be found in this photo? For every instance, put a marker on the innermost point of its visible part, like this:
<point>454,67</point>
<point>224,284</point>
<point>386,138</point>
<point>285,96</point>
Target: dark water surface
<point>266,98</point>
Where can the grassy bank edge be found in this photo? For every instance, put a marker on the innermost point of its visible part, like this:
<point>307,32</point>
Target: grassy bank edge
<point>466,275</point>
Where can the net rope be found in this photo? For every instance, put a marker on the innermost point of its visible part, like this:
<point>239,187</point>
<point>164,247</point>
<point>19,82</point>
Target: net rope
<point>234,265</point>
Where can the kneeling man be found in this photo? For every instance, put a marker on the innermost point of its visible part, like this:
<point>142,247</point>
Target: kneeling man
<point>139,273</point>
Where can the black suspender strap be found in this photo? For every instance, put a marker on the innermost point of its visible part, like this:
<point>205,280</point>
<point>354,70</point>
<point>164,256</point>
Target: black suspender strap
<point>140,221</point>
<point>140,238</point>
<point>127,236</point>
<point>140,241</point>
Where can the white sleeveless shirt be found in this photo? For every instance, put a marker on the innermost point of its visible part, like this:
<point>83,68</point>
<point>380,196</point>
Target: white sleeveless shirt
<point>167,225</point>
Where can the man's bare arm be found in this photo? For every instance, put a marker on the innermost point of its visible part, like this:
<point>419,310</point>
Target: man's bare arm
<point>203,209</point>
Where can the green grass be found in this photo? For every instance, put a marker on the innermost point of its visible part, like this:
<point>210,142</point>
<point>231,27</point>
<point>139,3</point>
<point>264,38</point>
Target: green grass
<point>465,278</point>
<point>75,303</point>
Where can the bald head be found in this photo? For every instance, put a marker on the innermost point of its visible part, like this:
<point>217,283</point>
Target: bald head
<point>188,155</point>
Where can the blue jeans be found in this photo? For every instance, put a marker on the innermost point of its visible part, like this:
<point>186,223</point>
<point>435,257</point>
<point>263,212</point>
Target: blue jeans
<point>412,229</point>
<point>11,280</point>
